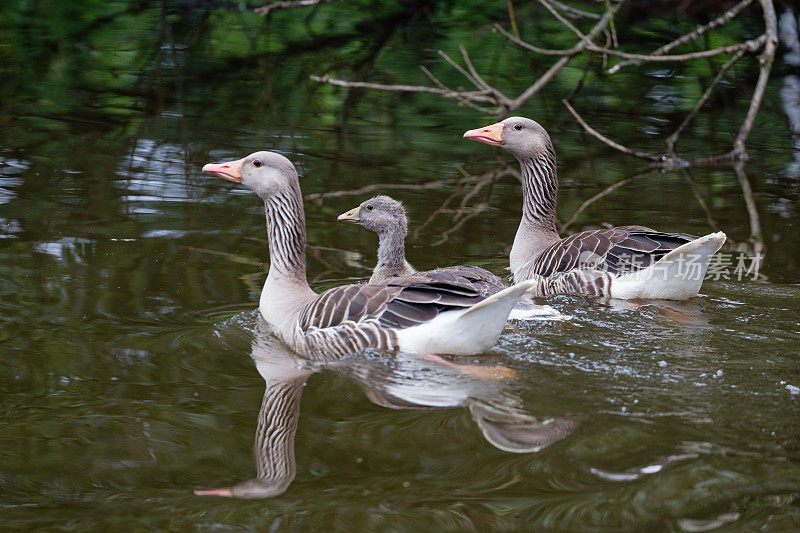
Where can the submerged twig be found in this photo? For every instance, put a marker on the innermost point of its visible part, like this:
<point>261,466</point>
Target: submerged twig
<point>605,140</point>
<point>608,190</point>
<point>672,139</point>
<point>700,201</point>
<point>380,186</point>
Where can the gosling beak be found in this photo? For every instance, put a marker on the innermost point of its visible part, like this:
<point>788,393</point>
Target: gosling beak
<point>350,216</point>
<point>229,171</point>
<point>487,135</point>
<point>226,491</point>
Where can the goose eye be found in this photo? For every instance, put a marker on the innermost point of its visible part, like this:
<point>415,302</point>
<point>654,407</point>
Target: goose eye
<point>370,207</point>
<point>517,126</point>
<point>257,163</point>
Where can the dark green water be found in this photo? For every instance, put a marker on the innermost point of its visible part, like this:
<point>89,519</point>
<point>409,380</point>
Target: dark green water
<point>129,282</point>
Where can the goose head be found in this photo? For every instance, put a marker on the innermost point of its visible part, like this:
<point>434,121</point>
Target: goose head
<point>380,214</point>
<point>265,173</point>
<point>521,136</point>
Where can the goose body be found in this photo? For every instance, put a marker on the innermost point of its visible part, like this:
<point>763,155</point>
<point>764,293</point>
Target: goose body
<point>625,262</point>
<point>387,217</point>
<point>434,312</point>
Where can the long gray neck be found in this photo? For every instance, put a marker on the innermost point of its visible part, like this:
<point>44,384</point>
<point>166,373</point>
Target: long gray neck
<point>391,250</point>
<point>286,290</point>
<point>286,229</point>
<point>391,255</point>
<point>537,229</point>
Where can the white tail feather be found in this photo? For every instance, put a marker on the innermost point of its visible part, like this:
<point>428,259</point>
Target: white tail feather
<point>506,298</point>
<point>467,332</point>
<point>676,276</point>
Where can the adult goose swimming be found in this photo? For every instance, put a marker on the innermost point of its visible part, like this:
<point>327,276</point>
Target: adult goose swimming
<point>624,262</point>
<point>387,217</point>
<point>425,313</point>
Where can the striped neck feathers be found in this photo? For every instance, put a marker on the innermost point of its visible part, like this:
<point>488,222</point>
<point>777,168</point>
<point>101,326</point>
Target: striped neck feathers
<point>540,189</point>
<point>286,230</point>
<point>537,228</point>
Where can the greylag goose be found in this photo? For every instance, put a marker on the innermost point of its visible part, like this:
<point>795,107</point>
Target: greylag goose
<point>624,262</point>
<point>387,217</point>
<point>433,312</point>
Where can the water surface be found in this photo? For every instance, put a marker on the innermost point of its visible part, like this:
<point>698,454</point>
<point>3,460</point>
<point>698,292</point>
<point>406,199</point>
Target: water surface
<point>129,282</point>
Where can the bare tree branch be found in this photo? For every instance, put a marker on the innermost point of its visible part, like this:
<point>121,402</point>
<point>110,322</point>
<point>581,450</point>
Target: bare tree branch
<point>574,12</point>
<point>287,4</point>
<point>488,94</point>
<point>461,99</point>
<point>752,45</point>
<point>478,96</point>
<point>698,31</point>
<point>477,209</point>
<point>527,46</point>
<point>397,186</point>
<point>771,36</point>
<point>461,70</point>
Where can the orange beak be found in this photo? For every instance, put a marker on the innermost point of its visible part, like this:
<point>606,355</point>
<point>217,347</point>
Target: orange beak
<point>487,135</point>
<point>229,171</point>
<point>227,492</point>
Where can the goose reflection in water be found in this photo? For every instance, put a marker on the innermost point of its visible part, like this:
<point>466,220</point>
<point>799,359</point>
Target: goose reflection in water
<point>407,382</point>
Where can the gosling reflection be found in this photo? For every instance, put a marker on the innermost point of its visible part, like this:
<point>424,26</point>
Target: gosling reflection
<point>403,382</point>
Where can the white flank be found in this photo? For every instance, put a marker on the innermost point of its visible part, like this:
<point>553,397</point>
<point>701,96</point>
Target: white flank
<point>471,331</point>
<point>676,276</point>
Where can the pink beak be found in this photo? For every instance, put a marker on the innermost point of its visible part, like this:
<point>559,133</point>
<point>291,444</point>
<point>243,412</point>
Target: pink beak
<point>487,135</point>
<point>229,171</point>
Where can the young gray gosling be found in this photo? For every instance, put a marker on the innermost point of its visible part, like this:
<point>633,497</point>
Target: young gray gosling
<point>387,217</point>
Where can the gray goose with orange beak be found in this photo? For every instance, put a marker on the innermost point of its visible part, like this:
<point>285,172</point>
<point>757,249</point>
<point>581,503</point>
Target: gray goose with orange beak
<point>624,262</point>
<point>433,312</point>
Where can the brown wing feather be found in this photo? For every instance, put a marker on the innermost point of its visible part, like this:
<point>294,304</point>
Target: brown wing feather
<point>616,250</point>
<point>479,278</point>
<point>395,303</point>
<point>352,318</point>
